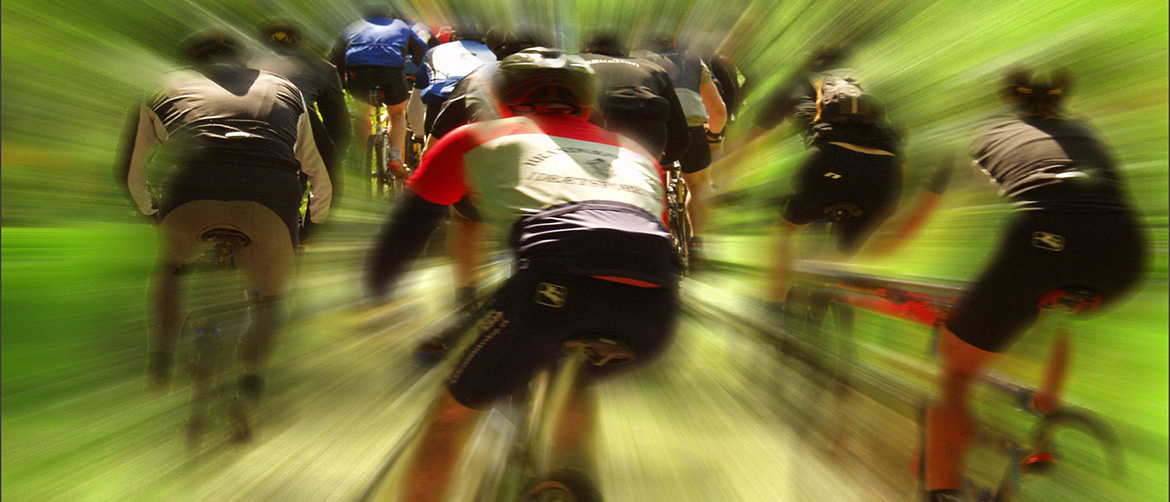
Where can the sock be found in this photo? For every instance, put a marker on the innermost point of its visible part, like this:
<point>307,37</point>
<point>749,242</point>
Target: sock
<point>396,154</point>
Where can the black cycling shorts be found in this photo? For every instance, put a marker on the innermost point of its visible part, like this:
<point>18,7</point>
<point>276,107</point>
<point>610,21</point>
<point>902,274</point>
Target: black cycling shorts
<point>1045,251</point>
<point>698,154</point>
<point>534,313</point>
<point>361,79</point>
<point>832,174</point>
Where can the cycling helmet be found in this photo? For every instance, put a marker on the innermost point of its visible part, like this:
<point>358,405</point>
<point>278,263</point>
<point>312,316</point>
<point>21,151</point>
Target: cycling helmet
<point>280,33</point>
<point>545,80</point>
<point>210,45</point>
<point>1030,86</point>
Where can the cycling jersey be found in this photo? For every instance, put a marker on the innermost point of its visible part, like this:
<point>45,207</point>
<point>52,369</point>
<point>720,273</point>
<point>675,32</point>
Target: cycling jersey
<point>580,200</point>
<point>237,134</point>
<point>380,41</point>
<point>798,100</point>
<point>447,64</point>
<point>320,86</point>
<point>1052,164</point>
<point>638,100</point>
<point>470,101</point>
<point>687,72</point>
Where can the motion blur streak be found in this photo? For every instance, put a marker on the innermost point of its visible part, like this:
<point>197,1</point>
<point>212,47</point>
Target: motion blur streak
<point>721,417</point>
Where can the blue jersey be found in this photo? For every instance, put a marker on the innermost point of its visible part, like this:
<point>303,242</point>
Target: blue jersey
<point>379,41</point>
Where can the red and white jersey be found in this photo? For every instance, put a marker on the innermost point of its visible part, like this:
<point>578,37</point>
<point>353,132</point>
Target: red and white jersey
<point>579,199</point>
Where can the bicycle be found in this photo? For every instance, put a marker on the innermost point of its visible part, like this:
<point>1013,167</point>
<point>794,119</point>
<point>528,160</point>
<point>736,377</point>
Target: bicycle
<point>216,320</point>
<point>380,179</point>
<point>925,304</point>
<point>527,471</point>
<point>676,213</point>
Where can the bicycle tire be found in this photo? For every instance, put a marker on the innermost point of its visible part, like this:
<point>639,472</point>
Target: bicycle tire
<point>1062,418</point>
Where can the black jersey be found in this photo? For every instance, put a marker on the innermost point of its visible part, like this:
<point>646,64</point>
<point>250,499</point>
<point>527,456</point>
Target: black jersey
<point>318,82</point>
<point>638,99</point>
<point>798,100</point>
<point>1050,164</point>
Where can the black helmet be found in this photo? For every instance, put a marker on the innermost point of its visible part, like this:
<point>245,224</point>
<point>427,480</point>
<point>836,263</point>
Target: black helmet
<point>606,44</point>
<point>1025,85</point>
<point>280,33</point>
<point>208,45</point>
<point>541,76</point>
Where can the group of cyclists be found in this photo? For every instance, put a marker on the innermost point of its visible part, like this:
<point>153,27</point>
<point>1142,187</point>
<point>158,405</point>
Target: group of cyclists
<point>566,154</point>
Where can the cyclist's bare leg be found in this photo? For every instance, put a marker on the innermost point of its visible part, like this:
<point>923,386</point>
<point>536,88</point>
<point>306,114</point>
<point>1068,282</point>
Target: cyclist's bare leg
<point>167,292</point>
<point>464,245</point>
<point>397,132</point>
<point>950,423</point>
<point>267,263</point>
<point>785,254</point>
<point>575,437</point>
<point>1047,397</point>
<point>438,449</point>
<point>363,122</point>
<point>698,191</point>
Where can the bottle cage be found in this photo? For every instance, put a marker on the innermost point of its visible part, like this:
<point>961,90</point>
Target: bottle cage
<point>1073,300</point>
<point>843,210</point>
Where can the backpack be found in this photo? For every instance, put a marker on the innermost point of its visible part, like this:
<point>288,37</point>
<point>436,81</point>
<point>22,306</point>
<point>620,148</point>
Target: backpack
<point>841,100</point>
<point>635,103</point>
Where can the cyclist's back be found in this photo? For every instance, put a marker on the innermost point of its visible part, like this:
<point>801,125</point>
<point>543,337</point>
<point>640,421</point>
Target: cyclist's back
<point>637,99</point>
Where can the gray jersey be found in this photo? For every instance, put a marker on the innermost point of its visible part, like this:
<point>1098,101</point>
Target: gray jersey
<point>239,122</point>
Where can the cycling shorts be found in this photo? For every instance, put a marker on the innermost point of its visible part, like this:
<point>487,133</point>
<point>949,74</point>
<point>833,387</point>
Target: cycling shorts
<point>832,174</point>
<point>532,315</point>
<point>1045,251</point>
<point>360,80</point>
<point>698,154</point>
<point>267,261</point>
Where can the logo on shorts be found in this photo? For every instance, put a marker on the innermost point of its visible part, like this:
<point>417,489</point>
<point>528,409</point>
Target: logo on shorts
<point>551,295</point>
<point>1047,241</point>
<point>832,175</point>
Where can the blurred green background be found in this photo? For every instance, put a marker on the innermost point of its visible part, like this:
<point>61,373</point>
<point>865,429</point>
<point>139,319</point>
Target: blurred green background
<point>77,425</point>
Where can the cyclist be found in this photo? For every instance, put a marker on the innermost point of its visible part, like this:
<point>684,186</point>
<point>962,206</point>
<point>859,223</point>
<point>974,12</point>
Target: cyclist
<point>442,68</point>
<point>372,53</point>
<point>584,209</point>
<point>1075,227</point>
<point>706,116</point>
<point>637,99</point>
<point>241,137</point>
<point>855,160</point>
<point>318,82</point>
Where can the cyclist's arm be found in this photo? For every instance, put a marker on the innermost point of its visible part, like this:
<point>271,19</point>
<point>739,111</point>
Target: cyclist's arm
<point>337,57</point>
<point>335,114</point>
<point>150,134</point>
<point>416,47</point>
<point>321,193</point>
<point>436,184</point>
<point>716,110</point>
<point>920,212</point>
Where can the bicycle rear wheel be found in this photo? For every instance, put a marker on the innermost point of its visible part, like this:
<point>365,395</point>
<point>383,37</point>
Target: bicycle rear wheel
<point>377,155</point>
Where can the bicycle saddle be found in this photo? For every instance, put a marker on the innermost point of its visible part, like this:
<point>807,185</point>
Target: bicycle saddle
<point>226,236</point>
<point>843,210</point>
<point>1071,299</point>
<point>602,351</point>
